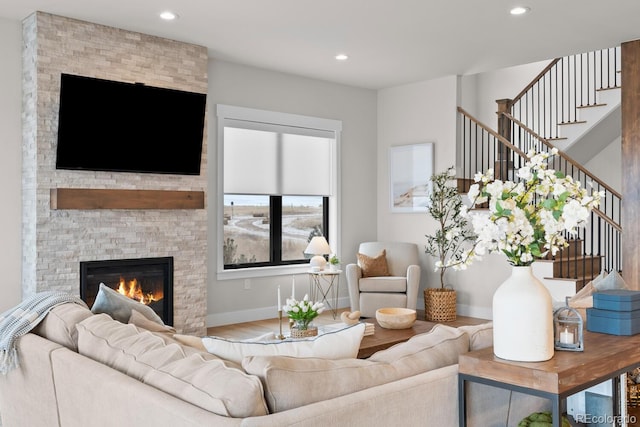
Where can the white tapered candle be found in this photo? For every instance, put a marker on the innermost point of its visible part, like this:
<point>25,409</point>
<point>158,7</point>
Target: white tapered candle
<point>279,300</point>
<point>293,287</point>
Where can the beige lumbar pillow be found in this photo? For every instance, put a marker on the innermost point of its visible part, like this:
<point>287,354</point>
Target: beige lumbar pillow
<point>374,266</point>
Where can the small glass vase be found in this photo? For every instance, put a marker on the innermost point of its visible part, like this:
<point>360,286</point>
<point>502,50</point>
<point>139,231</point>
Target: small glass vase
<point>303,329</point>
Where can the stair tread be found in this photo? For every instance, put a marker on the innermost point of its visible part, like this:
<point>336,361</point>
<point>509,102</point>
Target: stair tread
<point>576,122</point>
<point>608,88</point>
<point>591,105</point>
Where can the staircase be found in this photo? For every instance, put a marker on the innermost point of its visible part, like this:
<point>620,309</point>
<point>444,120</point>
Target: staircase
<point>569,94</point>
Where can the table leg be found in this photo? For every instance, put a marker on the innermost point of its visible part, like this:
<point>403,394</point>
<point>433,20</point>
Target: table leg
<point>556,416</point>
<point>462,409</point>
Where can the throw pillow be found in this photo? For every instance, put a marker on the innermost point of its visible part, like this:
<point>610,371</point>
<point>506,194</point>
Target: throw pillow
<point>286,380</point>
<point>374,266</point>
<point>197,377</point>
<point>613,280</point>
<point>119,307</point>
<point>339,344</point>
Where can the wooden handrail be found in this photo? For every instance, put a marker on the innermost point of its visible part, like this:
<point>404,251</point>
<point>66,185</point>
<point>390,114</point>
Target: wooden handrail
<point>534,81</point>
<point>508,144</point>
<point>487,129</point>
<point>564,155</point>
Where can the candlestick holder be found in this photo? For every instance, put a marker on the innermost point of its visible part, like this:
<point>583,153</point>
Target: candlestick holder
<point>280,336</point>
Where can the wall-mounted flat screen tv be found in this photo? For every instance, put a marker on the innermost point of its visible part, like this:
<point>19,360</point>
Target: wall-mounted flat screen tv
<point>106,125</point>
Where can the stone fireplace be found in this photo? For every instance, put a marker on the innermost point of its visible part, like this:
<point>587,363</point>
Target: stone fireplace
<point>56,240</point>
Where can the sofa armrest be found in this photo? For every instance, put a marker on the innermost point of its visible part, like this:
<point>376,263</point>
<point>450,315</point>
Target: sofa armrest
<point>413,284</point>
<point>31,383</point>
<point>354,273</point>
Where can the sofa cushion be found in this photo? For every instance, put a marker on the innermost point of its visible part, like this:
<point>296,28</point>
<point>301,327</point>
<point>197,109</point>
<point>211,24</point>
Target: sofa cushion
<point>141,321</point>
<point>480,336</point>
<point>59,325</point>
<point>374,266</point>
<point>119,306</point>
<point>383,284</point>
<point>184,372</point>
<point>292,382</point>
<point>338,344</point>
<point>424,352</point>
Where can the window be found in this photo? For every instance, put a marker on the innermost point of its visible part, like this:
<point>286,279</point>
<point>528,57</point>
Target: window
<point>278,186</point>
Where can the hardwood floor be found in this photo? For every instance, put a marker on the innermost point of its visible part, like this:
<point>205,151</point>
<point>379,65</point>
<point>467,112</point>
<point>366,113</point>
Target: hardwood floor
<point>247,330</point>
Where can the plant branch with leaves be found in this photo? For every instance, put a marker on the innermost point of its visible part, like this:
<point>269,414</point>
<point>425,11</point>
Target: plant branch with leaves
<point>450,244</point>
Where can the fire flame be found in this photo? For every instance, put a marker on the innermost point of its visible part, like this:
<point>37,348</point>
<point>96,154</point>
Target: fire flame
<point>134,291</point>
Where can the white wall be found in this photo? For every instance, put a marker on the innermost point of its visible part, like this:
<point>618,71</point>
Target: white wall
<point>485,88</point>
<point>251,87</point>
<point>607,164</point>
<point>10,162</point>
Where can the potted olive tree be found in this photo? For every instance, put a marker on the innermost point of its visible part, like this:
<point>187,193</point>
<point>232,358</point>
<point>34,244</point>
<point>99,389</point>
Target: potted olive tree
<point>450,245</point>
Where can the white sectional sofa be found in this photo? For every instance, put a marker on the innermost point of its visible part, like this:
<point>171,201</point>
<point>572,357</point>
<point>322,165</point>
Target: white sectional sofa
<point>82,369</point>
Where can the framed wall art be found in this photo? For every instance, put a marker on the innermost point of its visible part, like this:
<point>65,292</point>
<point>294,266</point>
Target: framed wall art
<point>410,170</point>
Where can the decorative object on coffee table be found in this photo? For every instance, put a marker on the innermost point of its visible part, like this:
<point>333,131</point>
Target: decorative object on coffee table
<point>527,218</point>
<point>448,245</point>
<point>302,313</point>
<point>396,318</point>
<point>350,318</point>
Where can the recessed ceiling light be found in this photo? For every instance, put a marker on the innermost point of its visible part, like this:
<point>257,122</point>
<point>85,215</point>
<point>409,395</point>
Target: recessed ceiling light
<point>519,10</point>
<point>342,57</point>
<point>167,15</point>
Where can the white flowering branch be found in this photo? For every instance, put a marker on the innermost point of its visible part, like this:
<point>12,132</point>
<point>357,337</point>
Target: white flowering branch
<point>529,218</point>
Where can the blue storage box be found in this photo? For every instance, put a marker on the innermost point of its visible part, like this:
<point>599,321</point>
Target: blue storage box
<point>617,300</point>
<point>613,322</point>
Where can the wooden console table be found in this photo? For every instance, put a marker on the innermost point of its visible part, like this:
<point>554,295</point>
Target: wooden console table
<point>604,357</point>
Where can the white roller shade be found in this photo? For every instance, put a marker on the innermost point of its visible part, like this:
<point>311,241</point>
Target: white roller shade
<point>267,159</point>
<point>306,162</point>
<point>250,161</point>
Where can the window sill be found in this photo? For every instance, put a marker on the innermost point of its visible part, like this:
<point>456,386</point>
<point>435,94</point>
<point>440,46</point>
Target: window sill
<point>247,273</point>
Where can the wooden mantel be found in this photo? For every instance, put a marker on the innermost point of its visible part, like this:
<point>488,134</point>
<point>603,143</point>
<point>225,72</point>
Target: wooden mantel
<point>89,198</point>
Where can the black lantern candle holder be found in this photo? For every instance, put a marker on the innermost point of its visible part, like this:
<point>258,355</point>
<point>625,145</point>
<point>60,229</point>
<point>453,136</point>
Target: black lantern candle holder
<point>567,329</point>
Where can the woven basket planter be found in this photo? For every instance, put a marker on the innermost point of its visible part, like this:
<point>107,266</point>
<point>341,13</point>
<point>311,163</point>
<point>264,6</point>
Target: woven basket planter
<point>439,305</point>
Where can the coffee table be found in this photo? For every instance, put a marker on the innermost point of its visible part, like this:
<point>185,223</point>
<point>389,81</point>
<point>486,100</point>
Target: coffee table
<point>385,338</point>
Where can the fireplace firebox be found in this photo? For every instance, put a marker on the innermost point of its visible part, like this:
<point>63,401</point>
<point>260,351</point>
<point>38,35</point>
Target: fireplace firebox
<point>147,280</point>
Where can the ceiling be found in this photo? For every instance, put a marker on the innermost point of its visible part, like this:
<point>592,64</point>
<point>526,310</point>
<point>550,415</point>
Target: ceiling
<point>389,42</point>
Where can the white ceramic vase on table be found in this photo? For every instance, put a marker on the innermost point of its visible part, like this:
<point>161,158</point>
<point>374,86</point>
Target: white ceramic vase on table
<point>522,318</point>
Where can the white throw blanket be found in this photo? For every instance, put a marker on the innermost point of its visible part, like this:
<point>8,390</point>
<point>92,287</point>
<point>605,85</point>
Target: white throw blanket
<point>22,319</point>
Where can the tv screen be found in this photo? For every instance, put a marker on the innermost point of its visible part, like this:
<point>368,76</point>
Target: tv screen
<point>106,125</point>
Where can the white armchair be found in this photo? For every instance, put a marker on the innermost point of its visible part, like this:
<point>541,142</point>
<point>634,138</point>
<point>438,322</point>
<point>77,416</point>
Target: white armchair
<point>399,289</point>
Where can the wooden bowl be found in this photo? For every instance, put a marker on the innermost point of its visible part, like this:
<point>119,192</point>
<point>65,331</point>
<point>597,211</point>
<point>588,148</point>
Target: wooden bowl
<point>396,318</point>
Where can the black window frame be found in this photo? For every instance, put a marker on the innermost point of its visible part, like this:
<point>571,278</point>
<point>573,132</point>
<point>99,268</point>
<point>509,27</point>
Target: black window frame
<point>275,236</point>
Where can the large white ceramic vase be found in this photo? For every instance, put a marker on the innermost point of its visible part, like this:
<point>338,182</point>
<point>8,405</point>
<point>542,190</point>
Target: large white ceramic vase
<point>522,318</point>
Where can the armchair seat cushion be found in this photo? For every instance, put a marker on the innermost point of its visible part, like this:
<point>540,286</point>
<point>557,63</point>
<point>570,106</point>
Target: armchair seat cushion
<point>383,284</point>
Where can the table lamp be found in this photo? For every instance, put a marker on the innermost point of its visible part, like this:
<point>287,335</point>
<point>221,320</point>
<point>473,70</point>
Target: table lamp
<point>319,247</point>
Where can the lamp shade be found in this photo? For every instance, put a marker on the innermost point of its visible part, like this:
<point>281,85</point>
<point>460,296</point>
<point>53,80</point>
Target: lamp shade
<point>318,246</point>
